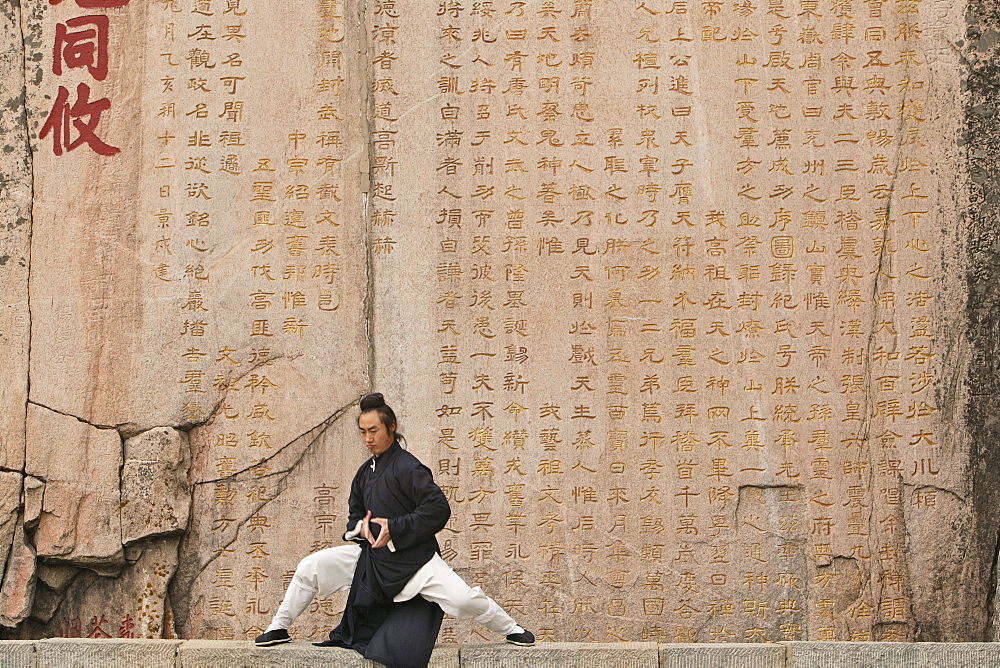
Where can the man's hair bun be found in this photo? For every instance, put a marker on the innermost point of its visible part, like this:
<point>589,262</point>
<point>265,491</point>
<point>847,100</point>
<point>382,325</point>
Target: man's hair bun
<point>375,402</point>
<point>372,401</point>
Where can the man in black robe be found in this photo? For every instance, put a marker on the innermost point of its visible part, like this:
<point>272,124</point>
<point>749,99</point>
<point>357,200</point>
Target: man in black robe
<point>400,585</point>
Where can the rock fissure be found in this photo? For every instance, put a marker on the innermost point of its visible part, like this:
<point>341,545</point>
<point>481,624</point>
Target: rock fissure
<point>991,592</point>
<point>868,585</point>
<point>322,427</point>
<point>29,163</point>
<point>221,401</point>
<point>368,105</point>
<point>121,483</point>
<point>980,132</point>
<point>103,427</point>
<point>8,575</point>
<point>10,548</point>
<point>211,559</point>
<point>17,184</point>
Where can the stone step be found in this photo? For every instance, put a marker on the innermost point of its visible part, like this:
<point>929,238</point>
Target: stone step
<point>88,653</point>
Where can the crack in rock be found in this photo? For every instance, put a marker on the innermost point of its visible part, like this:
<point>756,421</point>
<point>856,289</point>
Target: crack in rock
<point>322,427</point>
<point>75,417</point>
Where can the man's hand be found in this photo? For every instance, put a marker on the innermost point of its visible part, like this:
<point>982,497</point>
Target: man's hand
<point>365,531</point>
<point>383,537</point>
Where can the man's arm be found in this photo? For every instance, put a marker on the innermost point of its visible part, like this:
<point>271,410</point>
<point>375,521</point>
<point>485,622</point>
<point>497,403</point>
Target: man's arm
<point>355,511</point>
<point>431,513</point>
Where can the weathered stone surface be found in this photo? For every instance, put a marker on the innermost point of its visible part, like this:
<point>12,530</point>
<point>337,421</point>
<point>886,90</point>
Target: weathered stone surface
<point>565,655</point>
<point>207,654</point>
<point>10,502</point>
<point>729,655</point>
<point>89,357</point>
<point>156,495</point>
<point>112,254</point>
<point>80,521</point>
<point>107,653</point>
<point>980,137</point>
<point>44,605</point>
<point>602,345</point>
<point>17,593</point>
<point>129,604</point>
<point>15,231</point>
<point>57,576</point>
<point>445,656</point>
<point>34,492</point>
<point>17,654</point>
<point>904,655</point>
<point>150,308</point>
<point>222,654</point>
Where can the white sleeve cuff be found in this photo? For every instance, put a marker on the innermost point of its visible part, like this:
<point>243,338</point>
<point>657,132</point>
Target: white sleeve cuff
<point>353,533</point>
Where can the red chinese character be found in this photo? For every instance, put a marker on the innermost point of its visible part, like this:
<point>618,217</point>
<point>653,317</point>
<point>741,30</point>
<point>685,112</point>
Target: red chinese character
<point>71,628</point>
<point>63,113</point>
<point>82,48</point>
<point>95,4</point>
<point>127,628</point>
<point>95,627</point>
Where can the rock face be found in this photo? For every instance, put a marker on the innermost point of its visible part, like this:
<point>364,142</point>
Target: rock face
<point>689,307</point>
<point>10,497</point>
<point>17,595</point>
<point>15,223</point>
<point>155,492</point>
<point>80,520</point>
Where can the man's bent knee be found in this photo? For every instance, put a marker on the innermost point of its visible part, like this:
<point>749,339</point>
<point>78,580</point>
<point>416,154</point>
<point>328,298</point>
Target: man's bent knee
<point>466,604</point>
<point>328,570</point>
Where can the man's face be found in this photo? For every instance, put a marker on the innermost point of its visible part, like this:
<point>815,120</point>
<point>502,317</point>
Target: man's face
<point>374,434</point>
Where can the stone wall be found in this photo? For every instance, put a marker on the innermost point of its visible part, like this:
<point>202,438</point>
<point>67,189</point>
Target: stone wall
<point>687,304</point>
<point>223,654</point>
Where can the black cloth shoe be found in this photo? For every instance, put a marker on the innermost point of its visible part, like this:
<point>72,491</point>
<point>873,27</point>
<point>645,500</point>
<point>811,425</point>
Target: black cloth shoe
<point>526,639</point>
<point>275,637</point>
<point>326,643</point>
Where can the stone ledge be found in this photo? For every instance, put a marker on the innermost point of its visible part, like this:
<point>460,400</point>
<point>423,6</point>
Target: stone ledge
<point>561,654</point>
<point>730,655</point>
<point>237,654</point>
<point>87,653</point>
<point>17,653</point>
<point>891,654</point>
<point>80,653</point>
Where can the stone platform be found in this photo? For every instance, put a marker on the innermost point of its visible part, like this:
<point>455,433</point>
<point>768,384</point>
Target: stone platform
<point>80,653</point>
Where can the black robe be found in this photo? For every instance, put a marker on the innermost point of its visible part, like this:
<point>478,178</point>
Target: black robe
<point>401,489</point>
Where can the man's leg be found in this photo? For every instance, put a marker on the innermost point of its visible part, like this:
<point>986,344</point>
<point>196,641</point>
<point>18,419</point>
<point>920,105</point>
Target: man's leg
<point>322,572</point>
<point>461,601</point>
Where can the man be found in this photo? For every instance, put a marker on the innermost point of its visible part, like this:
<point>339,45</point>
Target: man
<point>400,585</point>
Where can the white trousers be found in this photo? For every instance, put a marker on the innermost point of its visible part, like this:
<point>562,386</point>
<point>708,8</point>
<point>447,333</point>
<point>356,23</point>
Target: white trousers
<point>332,570</point>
